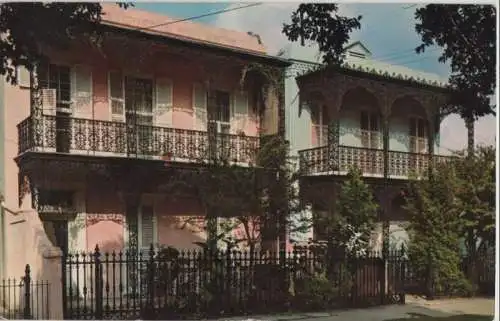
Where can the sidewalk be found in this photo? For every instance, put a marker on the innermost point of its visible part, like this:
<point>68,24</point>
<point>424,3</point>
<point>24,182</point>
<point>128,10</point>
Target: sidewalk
<point>413,307</point>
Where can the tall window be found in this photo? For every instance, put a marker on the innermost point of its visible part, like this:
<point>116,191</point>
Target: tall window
<point>370,130</point>
<point>58,78</point>
<point>320,121</point>
<point>222,111</point>
<point>418,135</point>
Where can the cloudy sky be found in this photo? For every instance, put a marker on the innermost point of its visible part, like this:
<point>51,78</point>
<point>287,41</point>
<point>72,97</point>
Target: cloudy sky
<point>390,40</point>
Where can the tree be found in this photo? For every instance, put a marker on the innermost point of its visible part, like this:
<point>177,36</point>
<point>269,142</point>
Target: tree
<point>476,198</point>
<point>467,34</point>
<point>321,24</point>
<point>351,224</point>
<point>434,230</point>
<point>30,28</point>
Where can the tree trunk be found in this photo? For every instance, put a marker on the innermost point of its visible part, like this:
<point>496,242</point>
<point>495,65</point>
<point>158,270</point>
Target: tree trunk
<point>469,123</point>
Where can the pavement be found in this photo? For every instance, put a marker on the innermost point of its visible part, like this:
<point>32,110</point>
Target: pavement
<point>413,307</point>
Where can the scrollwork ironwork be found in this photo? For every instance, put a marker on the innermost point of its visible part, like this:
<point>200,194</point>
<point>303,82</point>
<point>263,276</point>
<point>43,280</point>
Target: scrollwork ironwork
<point>119,139</point>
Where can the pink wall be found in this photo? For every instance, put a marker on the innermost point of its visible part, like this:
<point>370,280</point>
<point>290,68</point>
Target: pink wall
<point>183,71</point>
<point>105,219</point>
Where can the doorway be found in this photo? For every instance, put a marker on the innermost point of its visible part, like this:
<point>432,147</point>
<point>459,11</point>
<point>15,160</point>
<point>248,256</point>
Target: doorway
<point>139,115</point>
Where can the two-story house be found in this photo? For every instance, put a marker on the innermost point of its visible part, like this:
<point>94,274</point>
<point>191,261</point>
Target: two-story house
<point>381,118</point>
<point>97,133</point>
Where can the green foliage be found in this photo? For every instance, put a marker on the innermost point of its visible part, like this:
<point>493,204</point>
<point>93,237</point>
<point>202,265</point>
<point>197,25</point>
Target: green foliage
<point>318,292</point>
<point>475,195</point>
<point>351,224</point>
<point>467,35</point>
<point>320,23</point>
<point>33,27</point>
<point>434,231</point>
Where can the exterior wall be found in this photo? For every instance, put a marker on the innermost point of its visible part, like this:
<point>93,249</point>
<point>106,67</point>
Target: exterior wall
<point>298,120</point>
<point>183,75</point>
<point>2,178</point>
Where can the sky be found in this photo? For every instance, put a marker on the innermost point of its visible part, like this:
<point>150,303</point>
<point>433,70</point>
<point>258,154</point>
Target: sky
<point>390,40</point>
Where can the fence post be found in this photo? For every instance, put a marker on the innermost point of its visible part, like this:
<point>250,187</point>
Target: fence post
<point>402,279</point>
<point>98,284</point>
<point>27,294</point>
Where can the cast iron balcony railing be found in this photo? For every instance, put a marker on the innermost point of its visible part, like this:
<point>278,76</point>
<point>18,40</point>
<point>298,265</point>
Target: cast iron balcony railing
<point>106,138</point>
<point>315,161</point>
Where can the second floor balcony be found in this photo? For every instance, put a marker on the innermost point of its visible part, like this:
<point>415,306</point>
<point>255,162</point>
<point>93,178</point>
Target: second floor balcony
<point>318,161</point>
<point>79,136</point>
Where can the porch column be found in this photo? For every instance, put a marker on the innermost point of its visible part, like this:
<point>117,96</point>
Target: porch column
<point>132,201</point>
<point>36,108</point>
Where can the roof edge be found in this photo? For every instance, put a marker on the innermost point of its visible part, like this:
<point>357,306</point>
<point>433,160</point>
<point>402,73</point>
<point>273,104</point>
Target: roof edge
<point>192,41</point>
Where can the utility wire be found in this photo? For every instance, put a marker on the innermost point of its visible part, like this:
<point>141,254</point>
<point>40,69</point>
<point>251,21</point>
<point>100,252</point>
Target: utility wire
<point>201,16</point>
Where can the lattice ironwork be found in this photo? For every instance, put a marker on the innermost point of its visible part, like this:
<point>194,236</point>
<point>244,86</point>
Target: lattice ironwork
<point>369,161</point>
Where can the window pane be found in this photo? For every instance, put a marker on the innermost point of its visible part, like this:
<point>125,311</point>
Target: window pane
<point>115,85</point>
<point>364,121</point>
<point>374,122</point>
<point>421,128</point>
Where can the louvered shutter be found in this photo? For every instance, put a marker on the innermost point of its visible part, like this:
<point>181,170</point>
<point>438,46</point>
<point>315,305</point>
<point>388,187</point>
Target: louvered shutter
<point>200,106</point>
<point>239,111</point>
<point>116,96</point>
<point>374,131</point>
<point>413,135</point>
<point>23,77</point>
<point>365,129</point>
<point>82,91</point>
<point>422,136</point>
<point>164,102</point>
<point>49,101</point>
<point>147,228</point>
<point>324,126</point>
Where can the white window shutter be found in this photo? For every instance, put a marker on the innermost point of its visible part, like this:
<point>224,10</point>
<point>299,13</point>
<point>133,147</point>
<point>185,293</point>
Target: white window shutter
<point>23,77</point>
<point>239,111</point>
<point>49,101</point>
<point>116,96</point>
<point>164,102</point>
<point>200,106</point>
<point>81,89</point>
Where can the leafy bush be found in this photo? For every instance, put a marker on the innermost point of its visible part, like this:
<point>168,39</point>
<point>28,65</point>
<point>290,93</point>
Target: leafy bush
<point>317,292</point>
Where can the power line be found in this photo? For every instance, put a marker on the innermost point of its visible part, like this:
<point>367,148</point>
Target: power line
<point>200,16</point>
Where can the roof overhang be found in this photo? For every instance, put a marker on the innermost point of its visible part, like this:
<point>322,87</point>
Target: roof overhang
<point>326,72</point>
<point>194,44</point>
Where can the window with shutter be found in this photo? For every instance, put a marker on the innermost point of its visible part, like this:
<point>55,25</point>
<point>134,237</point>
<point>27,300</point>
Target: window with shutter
<point>164,102</point>
<point>320,122</point>
<point>116,96</point>
<point>147,227</point>
<point>200,107</point>
<point>370,132</point>
<point>418,135</point>
<point>23,77</point>
<point>82,89</point>
<point>240,111</point>
<point>59,78</point>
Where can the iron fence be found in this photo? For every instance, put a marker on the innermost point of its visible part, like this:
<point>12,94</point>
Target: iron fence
<point>170,284</point>
<point>482,278</point>
<point>24,298</point>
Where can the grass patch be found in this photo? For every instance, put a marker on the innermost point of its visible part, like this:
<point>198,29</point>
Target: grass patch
<point>465,317</point>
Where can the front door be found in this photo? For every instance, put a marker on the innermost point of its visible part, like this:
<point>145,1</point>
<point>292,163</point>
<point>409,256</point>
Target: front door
<point>139,115</point>
<point>61,235</point>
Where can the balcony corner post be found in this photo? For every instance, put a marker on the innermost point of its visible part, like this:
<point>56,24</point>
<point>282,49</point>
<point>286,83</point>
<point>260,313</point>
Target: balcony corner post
<point>36,111</point>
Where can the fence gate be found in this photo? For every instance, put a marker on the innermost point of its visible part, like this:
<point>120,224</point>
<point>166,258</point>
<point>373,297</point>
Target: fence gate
<point>24,298</point>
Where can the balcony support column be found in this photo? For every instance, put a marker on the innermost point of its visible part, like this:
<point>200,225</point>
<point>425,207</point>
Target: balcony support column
<point>36,108</point>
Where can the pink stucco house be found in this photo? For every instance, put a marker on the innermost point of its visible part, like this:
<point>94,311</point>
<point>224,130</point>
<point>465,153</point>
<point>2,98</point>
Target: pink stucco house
<point>110,125</point>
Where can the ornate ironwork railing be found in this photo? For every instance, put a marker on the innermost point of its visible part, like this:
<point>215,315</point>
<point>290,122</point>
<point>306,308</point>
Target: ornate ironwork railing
<point>369,161</point>
<point>106,138</point>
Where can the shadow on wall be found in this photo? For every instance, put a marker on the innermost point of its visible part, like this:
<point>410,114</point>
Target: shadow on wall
<point>29,244</point>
